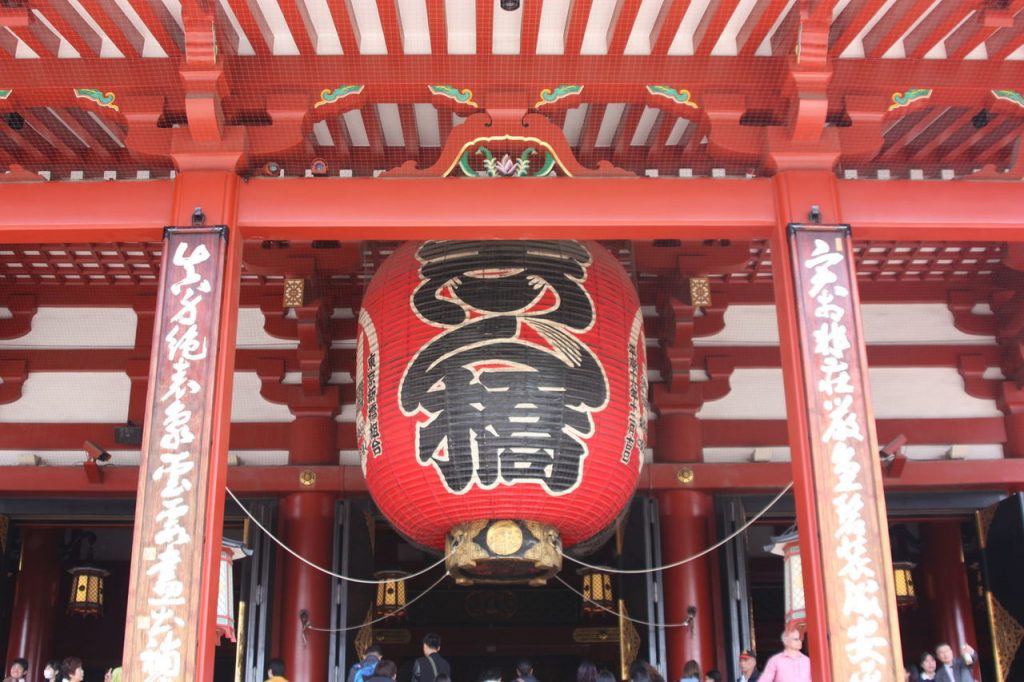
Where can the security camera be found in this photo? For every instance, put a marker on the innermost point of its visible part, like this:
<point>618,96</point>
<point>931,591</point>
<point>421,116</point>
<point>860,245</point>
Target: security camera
<point>95,452</point>
<point>510,5</point>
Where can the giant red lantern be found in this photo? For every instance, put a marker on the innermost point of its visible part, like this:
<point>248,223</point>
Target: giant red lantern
<point>501,398</point>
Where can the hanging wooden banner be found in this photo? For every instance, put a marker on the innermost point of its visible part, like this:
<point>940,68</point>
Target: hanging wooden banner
<point>170,511</point>
<point>860,600</point>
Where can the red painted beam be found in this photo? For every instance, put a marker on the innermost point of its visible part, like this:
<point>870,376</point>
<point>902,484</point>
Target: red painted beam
<point>529,28</point>
<point>437,21</point>
<point>85,211</point>
<point>850,23</point>
<point>118,27</point>
<point>455,209</point>
<point>995,474</point>
<point>711,25</point>
<point>576,26</point>
<point>667,25</point>
<point>988,211</point>
<point>484,28</point>
<point>621,25</point>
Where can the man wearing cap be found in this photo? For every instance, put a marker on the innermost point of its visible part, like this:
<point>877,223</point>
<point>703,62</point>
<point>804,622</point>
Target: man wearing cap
<point>748,667</point>
<point>790,664</point>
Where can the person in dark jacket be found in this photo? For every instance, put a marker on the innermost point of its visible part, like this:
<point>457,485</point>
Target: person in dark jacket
<point>431,664</point>
<point>524,671</point>
<point>955,669</point>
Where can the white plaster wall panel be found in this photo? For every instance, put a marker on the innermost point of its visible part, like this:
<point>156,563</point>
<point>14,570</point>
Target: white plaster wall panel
<point>897,392</point>
<point>57,458</point>
<point>284,43</point>
<point>260,458</point>
<point>79,328</point>
<point>251,332</point>
<point>128,457</point>
<point>892,324</point>
<point>754,394</point>
<point>412,15</point>
<point>554,15</point>
<point>506,29</point>
<point>247,405</point>
<point>639,42</point>
<point>460,17</point>
<point>738,455</point>
<point>915,323</point>
<point>595,37</point>
<point>925,393</point>
<point>71,398</point>
<point>916,452</point>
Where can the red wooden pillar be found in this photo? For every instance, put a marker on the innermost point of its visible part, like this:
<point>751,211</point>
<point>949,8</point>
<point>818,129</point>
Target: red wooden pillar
<point>686,529</point>
<point>308,528</point>
<point>678,431</point>
<point>946,584</point>
<point>308,523</point>
<point>796,192</point>
<point>177,633</point>
<point>36,599</point>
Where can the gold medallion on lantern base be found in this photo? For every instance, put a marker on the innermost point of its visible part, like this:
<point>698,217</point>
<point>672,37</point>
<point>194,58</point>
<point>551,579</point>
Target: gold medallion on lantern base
<point>503,551</point>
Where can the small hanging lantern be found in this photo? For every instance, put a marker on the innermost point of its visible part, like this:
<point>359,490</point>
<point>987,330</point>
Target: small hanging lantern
<point>86,598</point>
<point>903,579</point>
<point>788,547</point>
<point>230,551</point>
<point>597,592</point>
<point>390,594</point>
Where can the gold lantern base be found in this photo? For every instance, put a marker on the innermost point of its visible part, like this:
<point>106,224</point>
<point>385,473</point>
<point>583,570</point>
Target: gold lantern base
<point>503,551</point>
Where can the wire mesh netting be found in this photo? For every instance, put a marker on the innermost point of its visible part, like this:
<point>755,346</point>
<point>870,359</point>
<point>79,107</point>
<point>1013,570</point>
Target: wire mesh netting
<point>655,87</point>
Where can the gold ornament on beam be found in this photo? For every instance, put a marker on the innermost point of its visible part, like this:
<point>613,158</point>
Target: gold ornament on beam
<point>294,293</point>
<point>700,292</point>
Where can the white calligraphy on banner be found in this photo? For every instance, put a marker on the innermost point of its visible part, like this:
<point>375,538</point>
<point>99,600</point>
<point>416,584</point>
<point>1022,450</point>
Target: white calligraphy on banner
<point>161,656</point>
<point>862,592</point>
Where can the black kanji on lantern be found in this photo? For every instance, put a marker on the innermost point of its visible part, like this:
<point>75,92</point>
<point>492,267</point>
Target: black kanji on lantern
<point>508,387</point>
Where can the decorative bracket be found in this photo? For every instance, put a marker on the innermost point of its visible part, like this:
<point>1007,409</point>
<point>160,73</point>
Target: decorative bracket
<point>513,132</point>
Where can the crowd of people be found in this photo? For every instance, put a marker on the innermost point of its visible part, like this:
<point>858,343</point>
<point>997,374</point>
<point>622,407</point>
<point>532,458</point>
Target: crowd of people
<point>67,670</point>
<point>789,665</point>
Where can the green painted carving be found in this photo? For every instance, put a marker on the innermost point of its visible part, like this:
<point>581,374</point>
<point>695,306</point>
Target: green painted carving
<point>464,96</point>
<point>506,167</point>
<point>1010,96</point>
<point>328,96</point>
<point>4,94</point>
<point>904,99</point>
<point>104,99</point>
<point>552,95</point>
<point>677,96</point>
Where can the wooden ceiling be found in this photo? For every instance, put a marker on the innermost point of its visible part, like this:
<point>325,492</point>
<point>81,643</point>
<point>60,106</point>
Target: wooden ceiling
<point>912,88</point>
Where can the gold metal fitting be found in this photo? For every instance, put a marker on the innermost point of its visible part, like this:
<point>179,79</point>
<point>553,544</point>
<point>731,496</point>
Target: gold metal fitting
<point>503,551</point>
<point>307,477</point>
<point>685,476</point>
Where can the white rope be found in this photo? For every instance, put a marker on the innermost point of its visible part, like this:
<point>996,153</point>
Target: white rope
<point>685,624</point>
<point>712,548</point>
<point>377,620</point>
<point>321,568</point>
